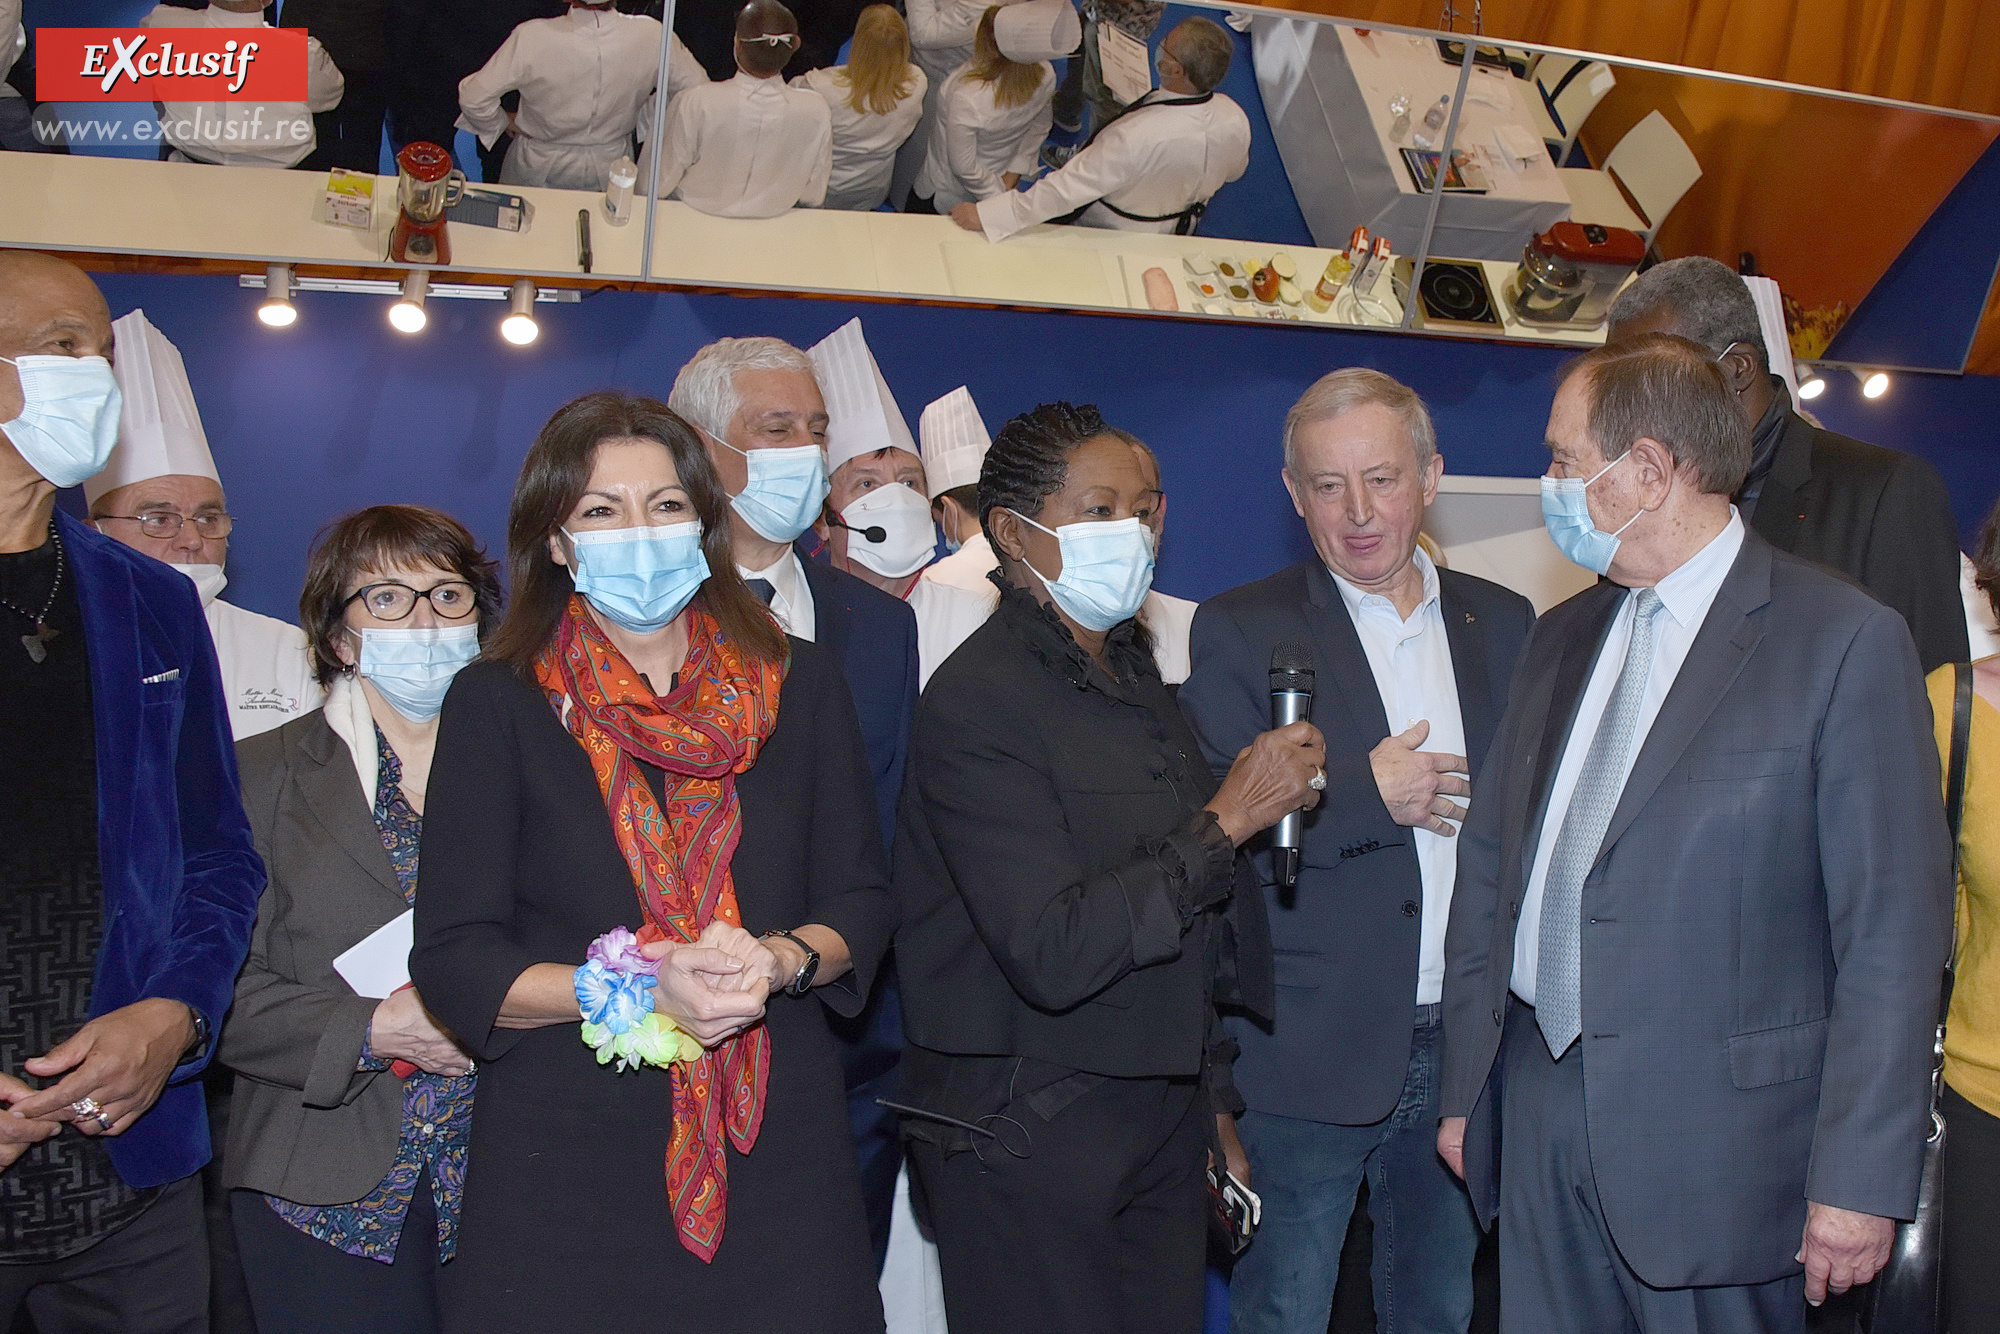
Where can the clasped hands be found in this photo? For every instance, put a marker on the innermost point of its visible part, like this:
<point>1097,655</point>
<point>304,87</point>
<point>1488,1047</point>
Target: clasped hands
<point>715,986</point>
<point>119,1062</point>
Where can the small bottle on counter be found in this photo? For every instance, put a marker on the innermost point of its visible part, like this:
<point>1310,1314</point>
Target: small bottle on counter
<point>1338,270</point>
<point>619,185</point>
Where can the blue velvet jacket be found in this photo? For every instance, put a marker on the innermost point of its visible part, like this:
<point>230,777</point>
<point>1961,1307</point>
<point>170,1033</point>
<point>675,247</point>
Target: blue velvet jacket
<point>181,879</point>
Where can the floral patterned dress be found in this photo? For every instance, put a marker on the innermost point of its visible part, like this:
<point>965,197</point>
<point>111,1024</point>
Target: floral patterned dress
<point>437,1109</point>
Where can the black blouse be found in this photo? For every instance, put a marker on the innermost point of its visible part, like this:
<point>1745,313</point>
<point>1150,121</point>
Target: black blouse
<point>1064,895</point>
<point>566,1168</point>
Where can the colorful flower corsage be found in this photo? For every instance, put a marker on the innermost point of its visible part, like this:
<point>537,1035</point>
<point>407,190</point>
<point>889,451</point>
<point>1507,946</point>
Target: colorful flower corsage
<point>614,994</point>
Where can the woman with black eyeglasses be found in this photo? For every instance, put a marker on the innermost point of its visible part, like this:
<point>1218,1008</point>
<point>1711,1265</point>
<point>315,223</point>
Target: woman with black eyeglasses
<point>348,1137</point>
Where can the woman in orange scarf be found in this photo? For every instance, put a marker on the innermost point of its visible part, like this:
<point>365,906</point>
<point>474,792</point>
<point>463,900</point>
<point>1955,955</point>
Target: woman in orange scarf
<point>642,748</point>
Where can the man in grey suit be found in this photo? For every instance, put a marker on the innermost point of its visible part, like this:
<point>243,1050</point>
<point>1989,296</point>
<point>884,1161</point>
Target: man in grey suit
<point>1703,902</point>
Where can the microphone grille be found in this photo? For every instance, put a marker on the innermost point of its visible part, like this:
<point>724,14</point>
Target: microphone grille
<point>1292,657</point>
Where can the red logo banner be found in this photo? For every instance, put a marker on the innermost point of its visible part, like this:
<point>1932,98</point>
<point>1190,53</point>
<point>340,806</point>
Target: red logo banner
<point>170,64</point>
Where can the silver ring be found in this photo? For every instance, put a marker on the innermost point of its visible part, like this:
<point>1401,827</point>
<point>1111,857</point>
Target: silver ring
<point>1318,780</point>
<point>103,1122</point>
<point>86,1107</point>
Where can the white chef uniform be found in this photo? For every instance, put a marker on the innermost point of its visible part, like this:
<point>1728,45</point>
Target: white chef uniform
<point>747,148</point>
<point>266,671</point>
<point>585,78</point>
<point>941,39</point>
<point>1154,161</point>
<point>864,142</point>
<point>247,134</point>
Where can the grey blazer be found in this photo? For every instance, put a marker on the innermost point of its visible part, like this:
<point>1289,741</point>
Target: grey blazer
<point>305,1125</point>
<point>1764,930</point>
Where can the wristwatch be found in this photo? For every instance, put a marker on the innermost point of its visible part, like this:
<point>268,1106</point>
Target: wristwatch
<point>802,982</point>
<point>199,1043</point>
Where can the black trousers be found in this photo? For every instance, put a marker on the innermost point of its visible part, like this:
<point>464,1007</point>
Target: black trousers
<point>149,1277</point>
<point>1099,1229</point>
<point>1971,1242</point>
<point>301,1285</point>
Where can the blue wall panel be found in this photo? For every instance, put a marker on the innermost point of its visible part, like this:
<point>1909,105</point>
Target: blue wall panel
<point>340,411</point>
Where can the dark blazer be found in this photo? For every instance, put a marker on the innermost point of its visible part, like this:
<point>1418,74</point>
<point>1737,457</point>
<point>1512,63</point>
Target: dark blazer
<point>1058,901</point>
<point>1345,941</point>
<point>181,878</point>
<point>305,1125</point>
<point>1765,927</point>
<point>1879,516</point>
<point>874,638</point>
<point>520,866</point>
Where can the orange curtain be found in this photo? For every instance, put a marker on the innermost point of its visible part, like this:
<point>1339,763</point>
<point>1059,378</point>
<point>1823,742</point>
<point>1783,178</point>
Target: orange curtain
<point>1941,52</point>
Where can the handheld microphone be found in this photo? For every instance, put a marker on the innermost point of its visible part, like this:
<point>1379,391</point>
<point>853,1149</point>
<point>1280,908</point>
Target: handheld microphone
<point>873,533</point>
<point>1291,702</point>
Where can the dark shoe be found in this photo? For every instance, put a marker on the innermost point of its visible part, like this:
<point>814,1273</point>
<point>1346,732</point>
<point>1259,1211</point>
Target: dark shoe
<point>1056,156</point>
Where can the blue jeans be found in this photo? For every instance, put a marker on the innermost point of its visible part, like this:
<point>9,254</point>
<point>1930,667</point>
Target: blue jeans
<point>1308,1173</point>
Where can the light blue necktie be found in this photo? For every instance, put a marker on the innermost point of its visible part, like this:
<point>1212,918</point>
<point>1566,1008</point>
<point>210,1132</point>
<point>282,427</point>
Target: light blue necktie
<point>1559,970</point>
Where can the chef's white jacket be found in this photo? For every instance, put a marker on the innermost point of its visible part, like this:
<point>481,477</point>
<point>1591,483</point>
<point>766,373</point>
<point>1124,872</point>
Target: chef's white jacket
<point>585,80</point>
<point>975,140</point>
<point>247,134</point>
<point>266,671</point>
<point>747,148</point>
<point>864,142</point>
<point>1168,619</point>
<point>1154,160</point>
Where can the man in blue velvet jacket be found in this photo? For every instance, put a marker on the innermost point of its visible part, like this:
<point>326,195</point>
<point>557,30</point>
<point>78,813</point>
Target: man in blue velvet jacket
<point>128,883</point>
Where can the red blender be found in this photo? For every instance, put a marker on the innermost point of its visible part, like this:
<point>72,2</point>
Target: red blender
<point>426,185</point>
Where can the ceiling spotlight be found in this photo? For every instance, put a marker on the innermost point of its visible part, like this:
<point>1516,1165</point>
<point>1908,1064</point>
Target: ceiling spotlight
<point>1811,384</point>
<point>1874,384</point>
<point>407,315</point>
<point>519,328</point>
<point>277,311</point>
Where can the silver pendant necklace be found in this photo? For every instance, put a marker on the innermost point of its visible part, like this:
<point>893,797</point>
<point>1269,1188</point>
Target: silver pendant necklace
<point>36,641</point>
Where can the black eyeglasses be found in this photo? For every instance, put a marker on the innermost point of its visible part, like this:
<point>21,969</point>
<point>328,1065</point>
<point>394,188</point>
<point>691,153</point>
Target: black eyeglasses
<point>452,600</point>
<point>167,523</point>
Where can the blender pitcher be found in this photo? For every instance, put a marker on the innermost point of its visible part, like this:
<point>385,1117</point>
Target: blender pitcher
<point>426,185</point>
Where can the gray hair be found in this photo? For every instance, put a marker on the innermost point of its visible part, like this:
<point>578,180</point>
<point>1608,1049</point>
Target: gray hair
<point>705,394</point>
<point>1339,392</point>
<point>1701,299</point>
<point>1662,387</point>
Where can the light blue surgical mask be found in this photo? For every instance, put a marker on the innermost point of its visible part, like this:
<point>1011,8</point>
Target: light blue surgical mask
<point>639,578</point>
<point>413,667</point>
<point>69,416</point>
<point>1107,570</point>
<point>786,489</point>
<point>1566,514</point>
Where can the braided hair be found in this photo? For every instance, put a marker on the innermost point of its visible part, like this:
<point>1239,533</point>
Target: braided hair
<point>1029,460</point>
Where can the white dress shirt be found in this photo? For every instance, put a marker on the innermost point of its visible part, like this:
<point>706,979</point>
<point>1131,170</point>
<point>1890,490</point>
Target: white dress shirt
<point>247,134</point>
<point>584,77</point>
<point>791,595</point>
<point>747,148</point>
<point>1154,160</point>
<point>267,674</point>
<point>1411,662</point>
<point>864,142</point>
<point>1685,597</point>
<point>975,141</point>
<point>946,617</point>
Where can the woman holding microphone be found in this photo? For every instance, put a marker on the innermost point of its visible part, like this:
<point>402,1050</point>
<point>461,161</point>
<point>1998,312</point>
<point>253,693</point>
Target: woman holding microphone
<point>1067,872</point>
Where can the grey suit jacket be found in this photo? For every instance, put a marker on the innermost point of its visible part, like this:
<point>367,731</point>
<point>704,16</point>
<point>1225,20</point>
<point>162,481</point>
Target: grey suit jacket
<point>305,1125</point>
<point>1764,931</point>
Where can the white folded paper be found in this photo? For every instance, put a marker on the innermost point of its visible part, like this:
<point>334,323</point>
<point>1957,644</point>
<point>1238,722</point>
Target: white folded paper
<point>1517,143</point>
<point>381,962</point>
<point>1127,65</point>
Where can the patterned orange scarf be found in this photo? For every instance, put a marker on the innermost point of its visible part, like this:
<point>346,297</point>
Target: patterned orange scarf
<point>703,733</point>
